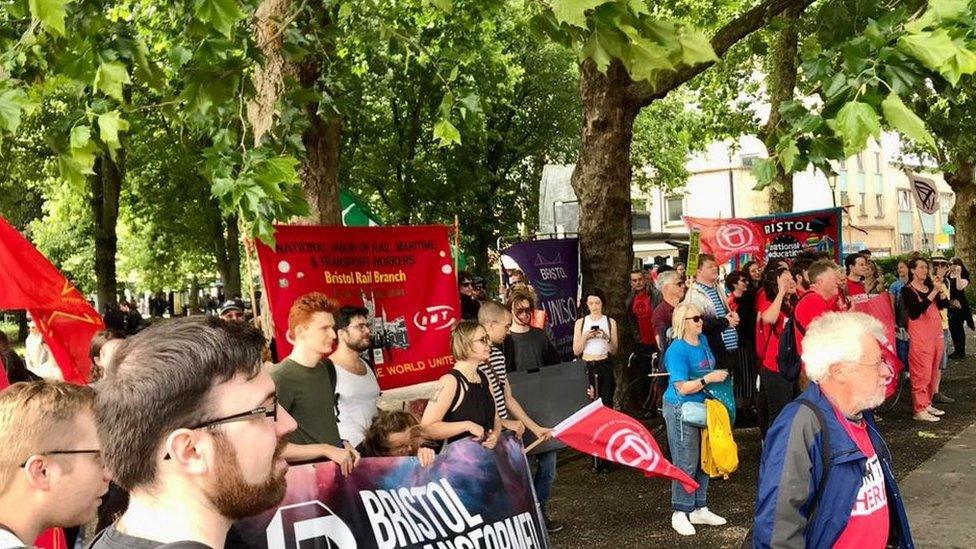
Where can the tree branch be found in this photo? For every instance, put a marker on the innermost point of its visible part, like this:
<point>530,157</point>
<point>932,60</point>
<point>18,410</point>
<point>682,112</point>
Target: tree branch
<point>644,93</point>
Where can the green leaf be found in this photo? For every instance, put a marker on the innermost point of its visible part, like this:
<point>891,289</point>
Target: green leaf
<point>933,49</point>
<point>446,6</point>
<point>855,122</point>
<point>281,169</point>
<point>764,170</point>
<point>110,78</point>
<point>939,10</point>
<point>80,136</point>
<point>220,14</point>
<point>109,126</point>
<point>695,47</point>
<point>787,151</point>
<point>595,50</point>
<point>646,58</point>
<point>904,120</point>
<point>639,7</point>
<point>573,12</point>
<point>445,133</point>
<point>50,13</point>
<point>345,10</point>
<point>962,63</point>
<point>12,104</point>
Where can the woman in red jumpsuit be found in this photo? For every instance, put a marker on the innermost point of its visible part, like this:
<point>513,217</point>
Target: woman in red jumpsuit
<point>923,299</point>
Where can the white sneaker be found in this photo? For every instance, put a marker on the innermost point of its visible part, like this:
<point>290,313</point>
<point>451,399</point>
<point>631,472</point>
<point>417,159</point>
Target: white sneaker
<point>924,416</point>
<point>679,521</point>
<point>704,516</point>
<point>934,411</point>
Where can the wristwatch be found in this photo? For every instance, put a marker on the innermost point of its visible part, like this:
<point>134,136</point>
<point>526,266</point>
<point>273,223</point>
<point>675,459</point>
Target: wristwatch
<point>703,382</point>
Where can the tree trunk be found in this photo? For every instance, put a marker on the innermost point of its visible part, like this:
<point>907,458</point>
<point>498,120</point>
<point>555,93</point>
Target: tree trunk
<point>194,296</point>
<point>21,325</point>
<point>602,184</point>
<point>963,216</point>
<point>232,279</point>
<point>106,185</point>
<point>781,83</point>
<point>322,139</point>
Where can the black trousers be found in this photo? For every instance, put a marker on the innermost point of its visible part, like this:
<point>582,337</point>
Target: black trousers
<point>777,392</point>
<point>600,375</point>
<point>957,329</point>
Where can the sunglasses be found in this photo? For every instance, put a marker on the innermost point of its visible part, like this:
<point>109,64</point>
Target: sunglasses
<point>696,319</point>
<point>523,310</point>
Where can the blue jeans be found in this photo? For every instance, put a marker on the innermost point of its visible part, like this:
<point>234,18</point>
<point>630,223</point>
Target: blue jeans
<point>685,443</point>
<point>901,346</point>
<point>945,349</point>
<point>545,475</point>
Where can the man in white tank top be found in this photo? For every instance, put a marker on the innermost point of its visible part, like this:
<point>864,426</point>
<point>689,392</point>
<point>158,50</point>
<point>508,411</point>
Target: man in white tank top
<point>356,387</point>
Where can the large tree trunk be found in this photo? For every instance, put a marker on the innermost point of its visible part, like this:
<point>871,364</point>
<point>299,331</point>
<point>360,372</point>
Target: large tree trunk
<point>322,139</point>
<point>105,186</point>
<point>602,184</point>
<point>781,82</point>
<point>963,216</point>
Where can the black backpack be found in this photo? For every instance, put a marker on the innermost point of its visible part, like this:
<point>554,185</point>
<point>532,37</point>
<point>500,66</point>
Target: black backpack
<point>787,355</point>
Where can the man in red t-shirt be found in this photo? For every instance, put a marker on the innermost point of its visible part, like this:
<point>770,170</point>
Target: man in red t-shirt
<point>821,298</point>
<point>640,311</point>
<point>857,269</point>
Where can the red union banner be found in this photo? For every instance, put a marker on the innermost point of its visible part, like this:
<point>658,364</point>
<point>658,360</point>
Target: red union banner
<point>881,308</point>
<point>780,236</point>
<point>66,321</point>
<point>403,275</point>
<point>615,436</point>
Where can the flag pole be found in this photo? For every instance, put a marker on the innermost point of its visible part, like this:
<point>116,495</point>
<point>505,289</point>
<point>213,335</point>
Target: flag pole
<point>248,244</point>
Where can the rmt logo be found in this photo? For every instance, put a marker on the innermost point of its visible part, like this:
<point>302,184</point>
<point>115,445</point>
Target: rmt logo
<point>309,525</point>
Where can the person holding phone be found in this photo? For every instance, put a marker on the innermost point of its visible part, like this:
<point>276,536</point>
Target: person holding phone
<point>595,341</point>
<point>923,299</point>
<point>959,311</point>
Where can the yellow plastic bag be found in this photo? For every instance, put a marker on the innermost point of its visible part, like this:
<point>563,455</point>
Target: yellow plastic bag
<point>719,452</point>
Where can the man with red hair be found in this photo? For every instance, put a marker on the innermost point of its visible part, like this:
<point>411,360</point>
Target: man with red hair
<point>305,384</point>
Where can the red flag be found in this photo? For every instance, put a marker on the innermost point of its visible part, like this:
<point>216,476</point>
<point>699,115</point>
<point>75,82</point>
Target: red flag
<point>52,538</point>
<point>611,435</point>
<point>728,238</point>
<point>881,307</point>
<point>66,321</point>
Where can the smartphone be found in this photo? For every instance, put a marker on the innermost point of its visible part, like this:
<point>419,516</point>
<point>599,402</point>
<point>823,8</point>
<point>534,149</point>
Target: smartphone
<point>594,328</point>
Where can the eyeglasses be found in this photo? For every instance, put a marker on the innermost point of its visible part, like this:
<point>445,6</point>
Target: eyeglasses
<point>61,452</point>
<point>486,340</point>
<point>263,411</point>
<point>696,319</point>
<point>523,310</point>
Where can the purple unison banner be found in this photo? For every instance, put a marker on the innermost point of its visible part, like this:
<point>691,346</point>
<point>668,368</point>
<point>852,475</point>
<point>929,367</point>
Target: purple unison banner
<point>470,498</point>
<point>552,268</point>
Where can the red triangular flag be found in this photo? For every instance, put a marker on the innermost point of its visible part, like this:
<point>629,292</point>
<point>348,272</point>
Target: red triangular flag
<point>65,319</point>
<point>617,437</point>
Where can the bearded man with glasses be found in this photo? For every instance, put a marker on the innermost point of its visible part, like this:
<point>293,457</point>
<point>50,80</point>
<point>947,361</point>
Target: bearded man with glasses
<point>51,472</point>
<point>191,427</point>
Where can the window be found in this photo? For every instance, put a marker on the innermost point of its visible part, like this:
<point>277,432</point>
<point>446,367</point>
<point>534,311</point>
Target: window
<point>675,208</point>
<point>946,200</point>
<point>842,167</point>
<point>879,203</point>
<point>844,199</point>
<point>748,160</point>
<point>904,200</point>
<point>877,163</point>
<point>862,206</point>
<point>905,242</point>
<point>929,239</point>
<point>860,162</point>
<point>640,221</point>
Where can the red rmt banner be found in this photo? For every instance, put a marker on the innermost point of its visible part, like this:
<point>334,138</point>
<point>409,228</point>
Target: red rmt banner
<point>614,436</point>
<point>404,276</point>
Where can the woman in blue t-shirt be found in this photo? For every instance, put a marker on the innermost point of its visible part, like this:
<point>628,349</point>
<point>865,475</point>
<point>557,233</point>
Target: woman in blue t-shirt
<point>691,366</point>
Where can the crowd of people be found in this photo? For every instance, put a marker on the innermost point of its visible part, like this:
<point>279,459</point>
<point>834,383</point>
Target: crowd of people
<point>139,459</point>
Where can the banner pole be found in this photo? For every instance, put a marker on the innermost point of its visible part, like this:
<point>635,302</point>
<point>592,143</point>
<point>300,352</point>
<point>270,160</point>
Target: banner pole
<point>457,244</point>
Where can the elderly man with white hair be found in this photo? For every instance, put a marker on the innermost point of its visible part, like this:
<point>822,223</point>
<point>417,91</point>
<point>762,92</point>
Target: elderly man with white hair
<point>826,478</point>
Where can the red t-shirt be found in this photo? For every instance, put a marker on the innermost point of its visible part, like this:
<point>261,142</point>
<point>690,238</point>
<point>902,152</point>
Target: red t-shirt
<point>767,336</point>
<point>869,522</point>
<point>644,312</point>
<point>856,291</point>
<point>808,308</point>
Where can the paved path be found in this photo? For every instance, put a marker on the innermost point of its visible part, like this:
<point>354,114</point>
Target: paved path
<point>941,495</point>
